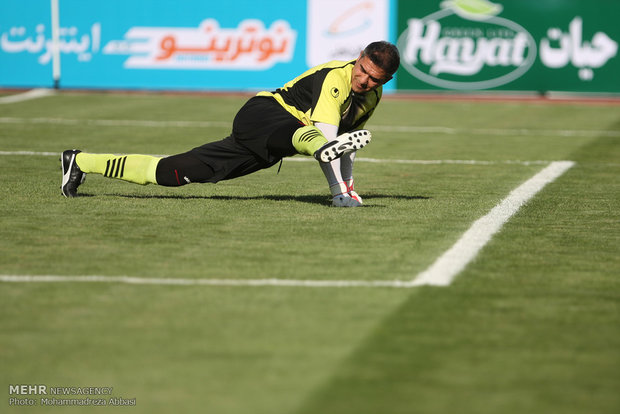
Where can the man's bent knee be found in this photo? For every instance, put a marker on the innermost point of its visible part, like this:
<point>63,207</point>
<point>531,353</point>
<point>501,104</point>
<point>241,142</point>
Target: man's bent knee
<point>308,139</point>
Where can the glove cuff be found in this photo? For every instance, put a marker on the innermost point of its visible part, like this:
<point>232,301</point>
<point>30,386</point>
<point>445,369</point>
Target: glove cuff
<point>338,188</point>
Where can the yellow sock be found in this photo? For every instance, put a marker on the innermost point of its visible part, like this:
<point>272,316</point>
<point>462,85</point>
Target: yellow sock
<point>139,169</point>
<point>307,140</point>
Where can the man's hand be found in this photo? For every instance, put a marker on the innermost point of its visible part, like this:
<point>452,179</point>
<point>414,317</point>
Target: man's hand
<point>343,197</point>
<point>345,200</point>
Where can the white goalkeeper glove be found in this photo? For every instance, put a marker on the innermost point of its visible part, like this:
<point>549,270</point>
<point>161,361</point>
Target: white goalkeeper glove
<point>341,197</point>
<point>345,200</point>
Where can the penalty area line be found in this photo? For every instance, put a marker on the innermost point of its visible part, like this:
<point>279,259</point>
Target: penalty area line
<point>441,273</point>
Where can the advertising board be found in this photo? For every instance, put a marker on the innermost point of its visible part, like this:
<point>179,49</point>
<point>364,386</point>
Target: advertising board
<point>189,45</point>
<point>154,44</point>
<point>468,45</point>
<point>527,45</point>
<point>340,29</point>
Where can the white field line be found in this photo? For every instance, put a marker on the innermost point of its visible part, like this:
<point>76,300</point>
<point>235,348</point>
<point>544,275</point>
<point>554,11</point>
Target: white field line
<point>358,159</point>
<point>25,96</point>
<point>382,128</point>
<point>427,162</point>
<point>206,282</point>
<point>441,273</point>
<point>116,122</point>
<point>32,153</point>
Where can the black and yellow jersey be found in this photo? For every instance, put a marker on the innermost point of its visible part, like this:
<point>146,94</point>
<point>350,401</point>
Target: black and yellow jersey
<point>323,94</point>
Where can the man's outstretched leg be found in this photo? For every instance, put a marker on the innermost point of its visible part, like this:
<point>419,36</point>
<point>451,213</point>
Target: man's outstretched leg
<point>212,162</point>
<point>139,169</point>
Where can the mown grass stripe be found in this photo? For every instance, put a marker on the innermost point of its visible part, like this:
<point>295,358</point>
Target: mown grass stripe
<point>441,273</point>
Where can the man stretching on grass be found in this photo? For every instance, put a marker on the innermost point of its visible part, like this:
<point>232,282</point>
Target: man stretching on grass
<point>319,113</point>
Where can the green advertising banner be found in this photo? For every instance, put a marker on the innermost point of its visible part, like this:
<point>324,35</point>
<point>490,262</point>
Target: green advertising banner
<point>516,45</point>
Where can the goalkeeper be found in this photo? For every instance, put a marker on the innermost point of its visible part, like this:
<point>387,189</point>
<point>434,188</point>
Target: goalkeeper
<point>321,113</point>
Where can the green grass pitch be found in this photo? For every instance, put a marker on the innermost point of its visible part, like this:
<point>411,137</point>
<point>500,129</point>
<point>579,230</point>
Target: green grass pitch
<point>532,325</point>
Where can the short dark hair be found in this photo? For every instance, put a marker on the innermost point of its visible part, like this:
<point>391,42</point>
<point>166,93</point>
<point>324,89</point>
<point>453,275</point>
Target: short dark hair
<point>383,54</point>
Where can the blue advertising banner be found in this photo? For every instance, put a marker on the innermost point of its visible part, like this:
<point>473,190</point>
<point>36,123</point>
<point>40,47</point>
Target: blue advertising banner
<point>154,44</point>
<point>188,45</point>
<point>25,44</point>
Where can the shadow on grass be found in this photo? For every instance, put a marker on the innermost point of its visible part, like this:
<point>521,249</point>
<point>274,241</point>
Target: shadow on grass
<point>312,199</point>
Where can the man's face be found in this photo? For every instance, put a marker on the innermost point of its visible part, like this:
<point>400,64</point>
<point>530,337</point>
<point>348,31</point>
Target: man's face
<point>367,76</point>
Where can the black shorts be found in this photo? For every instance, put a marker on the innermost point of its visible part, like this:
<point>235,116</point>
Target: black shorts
<point>261,136</point>
<point>264,127</point>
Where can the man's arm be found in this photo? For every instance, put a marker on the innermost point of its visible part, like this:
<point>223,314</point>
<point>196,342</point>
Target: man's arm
<point>339,172</point>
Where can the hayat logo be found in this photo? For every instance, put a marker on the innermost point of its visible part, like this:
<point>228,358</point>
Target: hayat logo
<point>442,50</point>
<point>250,46</point>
